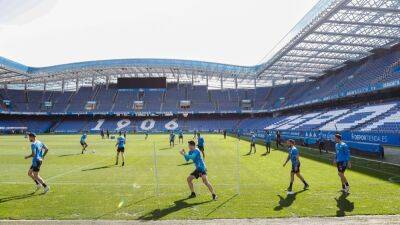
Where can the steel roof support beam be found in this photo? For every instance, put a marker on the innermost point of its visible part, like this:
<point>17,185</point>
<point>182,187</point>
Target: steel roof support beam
<point>357,35</point>
<point>394,26</point>
<point>339,43</point>
<point>371,9</point>
<point>331,51</point>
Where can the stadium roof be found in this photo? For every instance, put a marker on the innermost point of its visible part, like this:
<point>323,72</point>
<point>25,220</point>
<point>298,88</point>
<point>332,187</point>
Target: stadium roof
<point>331,34</point>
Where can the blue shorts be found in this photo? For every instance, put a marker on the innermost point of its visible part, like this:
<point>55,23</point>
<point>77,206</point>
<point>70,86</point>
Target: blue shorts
<point>36,166</point>
<point>296,168</point>
<point>341,166</point>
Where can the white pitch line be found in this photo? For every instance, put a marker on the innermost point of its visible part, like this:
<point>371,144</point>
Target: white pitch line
<point>75,169</point>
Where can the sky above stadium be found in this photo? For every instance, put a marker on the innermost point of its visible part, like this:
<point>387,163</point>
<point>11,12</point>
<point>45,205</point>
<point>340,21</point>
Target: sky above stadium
<point>50,32</point>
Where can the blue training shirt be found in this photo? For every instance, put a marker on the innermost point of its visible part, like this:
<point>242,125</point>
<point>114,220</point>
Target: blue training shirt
<point>293,153</point>
<point>37,150</point>
<point>267,138</point>
<point>200,141</point>
<point>253,138</point>
<point>195,156</point>
<point>121,142</point>
<point>342,152</point>
<point>83,137</point>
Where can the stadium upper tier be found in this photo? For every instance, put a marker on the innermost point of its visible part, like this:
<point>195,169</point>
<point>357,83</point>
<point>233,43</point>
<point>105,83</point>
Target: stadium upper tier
<point>332,34</point>
<point>376,73</point>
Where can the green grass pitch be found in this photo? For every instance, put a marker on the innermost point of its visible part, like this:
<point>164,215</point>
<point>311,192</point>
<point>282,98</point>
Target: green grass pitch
<point>89,186</point>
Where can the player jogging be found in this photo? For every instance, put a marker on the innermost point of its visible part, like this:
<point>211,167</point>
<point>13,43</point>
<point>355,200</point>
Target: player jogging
<point>180,137</point>
<point>146,135</point>
<point>278,139</point>
<point>252,143</point>
<point>102,134</point>
<point>224,133</point>
<point>83,142</point>
<point>321,144</point>
<point>171,139</point>
<point>120,149</point>
<point>200,144</point>
<point>200,171</point>
<point>39,151</point>
<point>294,158</point>
<point>267,140</point>
<point>342,161</point>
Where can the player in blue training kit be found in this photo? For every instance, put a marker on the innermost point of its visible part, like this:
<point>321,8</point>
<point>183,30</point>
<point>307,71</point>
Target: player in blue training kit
<point>321,143</point>
<point>39,151</point>
<point>180,137</point>
<point>342,161</point>
<point>83,142</point>
<point>146,135</point>
<point>267,141</point>
<point>194,154</point>
<point>294,158</point>
<point>200,144</point>
<point>252,143</point>
<point>120,149</point>
<point>171,139</point>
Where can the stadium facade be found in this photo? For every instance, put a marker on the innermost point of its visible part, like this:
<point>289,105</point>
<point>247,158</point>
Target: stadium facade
<point>338,70</point>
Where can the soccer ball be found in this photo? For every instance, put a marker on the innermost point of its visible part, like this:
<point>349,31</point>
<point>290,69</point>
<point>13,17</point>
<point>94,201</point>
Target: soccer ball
<point>94,151</point>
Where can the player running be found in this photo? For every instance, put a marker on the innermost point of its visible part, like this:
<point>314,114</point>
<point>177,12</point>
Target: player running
<point>294,158</point>
<point>200,144</point>
<point>321,143</point>
<point>83,142</point>
<point>200,171</point>
<point>37,155</point>
<point>120,149</point>
<point>180,137</point>
<point>252,143</point>
<point>267,141</point>
<point>171,139</point>
<point>278,139</point>
<point>342,161</point>
<point>146,135</point>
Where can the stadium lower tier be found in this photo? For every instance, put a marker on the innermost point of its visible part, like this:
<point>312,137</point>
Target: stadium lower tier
<point>374,123</point>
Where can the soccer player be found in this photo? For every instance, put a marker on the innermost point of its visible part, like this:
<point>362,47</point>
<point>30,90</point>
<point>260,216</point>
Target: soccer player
<point>252,143</point>
<point>102,134</point>
<point>278,139</point>
<point>200,144</point>
<point>146,134</point>
<point>200,171</point>
<point>267,140</point>
<point>120,149</point>
<point>83,141</point>
<point>108,134</point>
<point>224,133</point>
<point>194,134</point>
<point>125,134</point>
<point>342,161</point>
<point>39,151</point>
<point>171,139</point>
<point>294,158</point>
<point>180,137</point>
<point>321,144</point>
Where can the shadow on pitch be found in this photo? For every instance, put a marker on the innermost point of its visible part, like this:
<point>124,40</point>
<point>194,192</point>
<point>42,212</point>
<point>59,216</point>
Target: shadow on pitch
<point>17,197</point>
<point>186,164</point>
<point>124,207</point>
<point>222,204</point>
<point>66,155</point>
<point>99,168</point>
<point>287,201</point>
<point>178,205</point>
<point>344,205</point>
<point>166,148</point>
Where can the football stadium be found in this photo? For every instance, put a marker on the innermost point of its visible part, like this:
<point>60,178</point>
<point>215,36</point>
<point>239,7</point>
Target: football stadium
<point>309,135</point>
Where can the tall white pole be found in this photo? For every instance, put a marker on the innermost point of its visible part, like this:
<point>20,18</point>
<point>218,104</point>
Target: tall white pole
<point>237,168</point>
<point>156,174</point>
